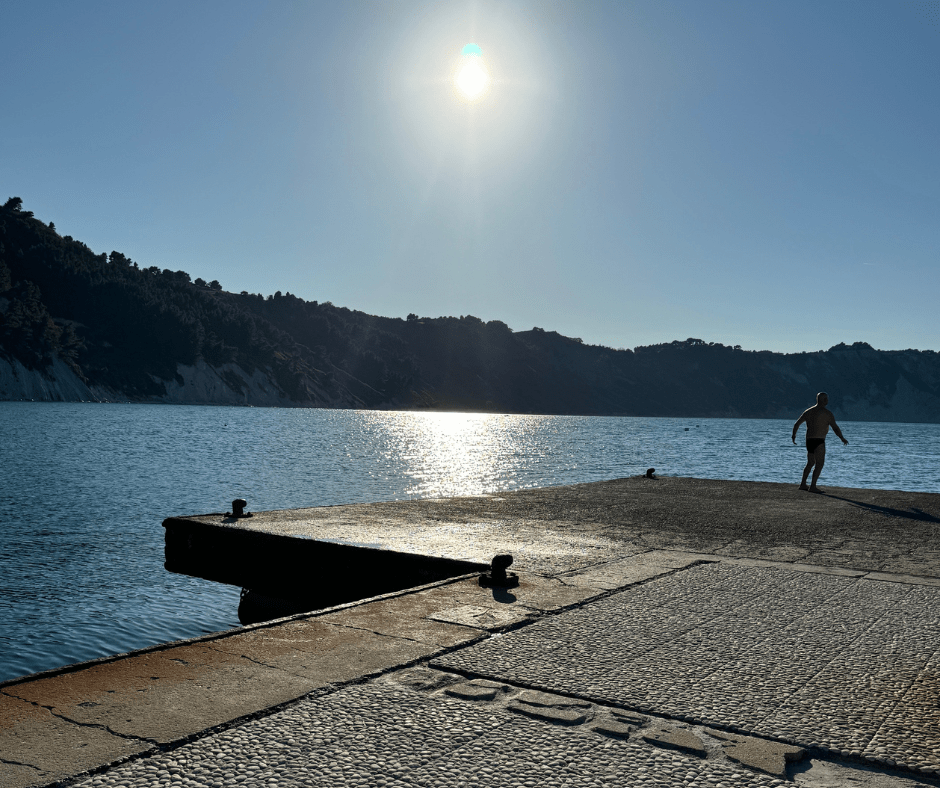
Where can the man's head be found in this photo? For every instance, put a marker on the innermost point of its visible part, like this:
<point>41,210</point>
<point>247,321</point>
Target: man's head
<point>822,398</point>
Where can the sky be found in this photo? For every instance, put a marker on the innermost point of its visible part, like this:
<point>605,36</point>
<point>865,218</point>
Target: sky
<point>752,173</point>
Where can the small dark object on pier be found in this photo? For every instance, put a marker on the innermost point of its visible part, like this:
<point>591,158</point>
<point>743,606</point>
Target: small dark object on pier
<point>498,577</point>
<point>650,472</point>
<point>238,508</point>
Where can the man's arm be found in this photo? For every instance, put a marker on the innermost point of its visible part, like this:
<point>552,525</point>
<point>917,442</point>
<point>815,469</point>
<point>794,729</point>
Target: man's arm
<point>796,426</point>
<point>837,431</point>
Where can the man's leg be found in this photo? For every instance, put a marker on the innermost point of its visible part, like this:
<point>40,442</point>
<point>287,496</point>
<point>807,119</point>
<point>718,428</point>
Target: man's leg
<point>810,462</point>
<point>820,458</point>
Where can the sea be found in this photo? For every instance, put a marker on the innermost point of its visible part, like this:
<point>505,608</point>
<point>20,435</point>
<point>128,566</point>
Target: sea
<point>84,488</point>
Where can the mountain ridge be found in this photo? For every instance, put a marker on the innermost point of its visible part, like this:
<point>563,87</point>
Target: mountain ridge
<point>75,325</point>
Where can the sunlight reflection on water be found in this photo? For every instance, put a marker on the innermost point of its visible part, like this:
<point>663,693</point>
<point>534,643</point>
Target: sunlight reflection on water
<point>452,454</point>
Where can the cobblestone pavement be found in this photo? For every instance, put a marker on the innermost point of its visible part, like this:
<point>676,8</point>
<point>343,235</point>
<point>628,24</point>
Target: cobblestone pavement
<point>381,735</point>
<point>663,684</point>
<point>842,663</point>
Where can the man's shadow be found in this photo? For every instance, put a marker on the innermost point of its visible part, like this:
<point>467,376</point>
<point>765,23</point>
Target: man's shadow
<point>913,514</point>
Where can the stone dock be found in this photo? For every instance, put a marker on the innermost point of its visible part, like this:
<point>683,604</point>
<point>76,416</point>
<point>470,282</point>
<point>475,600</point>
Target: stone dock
<point>665,632</point>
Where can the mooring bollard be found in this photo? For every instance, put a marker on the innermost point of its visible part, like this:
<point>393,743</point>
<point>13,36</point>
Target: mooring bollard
<point>498,577</point>
<point>238,508</point>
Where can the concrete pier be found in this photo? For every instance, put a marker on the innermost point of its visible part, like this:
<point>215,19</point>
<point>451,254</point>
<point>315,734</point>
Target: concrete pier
<point>664,632</point>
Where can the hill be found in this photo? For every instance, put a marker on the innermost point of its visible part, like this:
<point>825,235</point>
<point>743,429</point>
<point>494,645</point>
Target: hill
<point>75,325</point>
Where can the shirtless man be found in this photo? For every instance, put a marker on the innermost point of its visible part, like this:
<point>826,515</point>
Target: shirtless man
<point>818,421</point>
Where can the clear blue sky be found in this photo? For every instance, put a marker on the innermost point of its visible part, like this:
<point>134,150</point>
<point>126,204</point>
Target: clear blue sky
<point>755,173</point>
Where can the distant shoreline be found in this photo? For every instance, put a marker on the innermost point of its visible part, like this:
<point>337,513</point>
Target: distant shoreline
<point>469,411</point>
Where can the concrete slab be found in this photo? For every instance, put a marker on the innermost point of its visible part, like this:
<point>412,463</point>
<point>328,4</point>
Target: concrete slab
<point>408,617</point>
<point>320,653</point>
<point>442,615</point>
<point>540,546</point>
<point>37,748</point>
<point>534,592</point>
<point>14,775</point>
<point>160,697</point>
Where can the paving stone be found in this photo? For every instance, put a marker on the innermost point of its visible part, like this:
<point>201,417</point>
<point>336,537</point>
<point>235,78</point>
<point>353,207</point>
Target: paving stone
<point>628,717</point>
<point>551,708</point>
<point>419,678</point>
<point>612,727</point>
<point>478,689</point>
<point>536,698</point>
<point>675,739</point>
<point>521,748</point>
<point>767,756</point>
<point>564,716</point>
<point>481,617</point>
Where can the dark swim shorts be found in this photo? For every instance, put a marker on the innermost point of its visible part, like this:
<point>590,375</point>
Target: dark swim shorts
<point>814,443</point>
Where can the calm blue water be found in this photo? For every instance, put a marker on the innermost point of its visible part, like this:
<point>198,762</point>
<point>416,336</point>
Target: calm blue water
<point>85,487</point>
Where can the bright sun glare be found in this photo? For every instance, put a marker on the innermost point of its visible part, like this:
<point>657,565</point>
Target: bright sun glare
<point>472,79</point>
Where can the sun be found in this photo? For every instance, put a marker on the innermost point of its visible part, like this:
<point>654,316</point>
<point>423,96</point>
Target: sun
<point>472,79</point>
